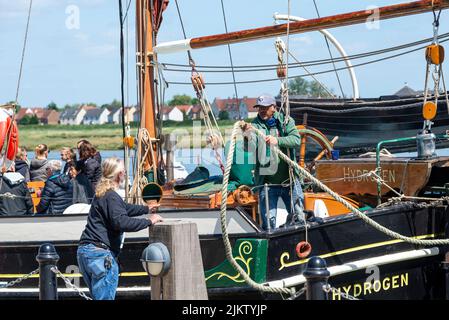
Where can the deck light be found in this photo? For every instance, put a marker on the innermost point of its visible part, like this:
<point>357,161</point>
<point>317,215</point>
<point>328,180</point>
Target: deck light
<point>156,259</point>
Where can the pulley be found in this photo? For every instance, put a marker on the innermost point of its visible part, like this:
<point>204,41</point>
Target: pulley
<point>435,54</point>
<point>197,82</point>
<point>429,110</point>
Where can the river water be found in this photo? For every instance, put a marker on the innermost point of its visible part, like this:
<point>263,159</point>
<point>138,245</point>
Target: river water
<point>189,158</point>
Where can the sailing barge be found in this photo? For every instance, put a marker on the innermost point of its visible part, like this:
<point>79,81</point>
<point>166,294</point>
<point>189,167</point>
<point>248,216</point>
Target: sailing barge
<point>363,261</point>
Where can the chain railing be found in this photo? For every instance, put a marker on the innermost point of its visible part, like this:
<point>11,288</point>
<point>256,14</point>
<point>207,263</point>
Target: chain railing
<point>18,280</point>
<point>69,283</point>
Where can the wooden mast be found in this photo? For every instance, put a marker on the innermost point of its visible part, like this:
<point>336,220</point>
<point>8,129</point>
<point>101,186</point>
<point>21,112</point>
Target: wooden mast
<point>345,19</point>
<point>144,30</point>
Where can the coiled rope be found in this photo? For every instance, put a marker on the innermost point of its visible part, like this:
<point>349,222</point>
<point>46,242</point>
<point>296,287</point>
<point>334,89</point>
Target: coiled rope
<point>224,195</point>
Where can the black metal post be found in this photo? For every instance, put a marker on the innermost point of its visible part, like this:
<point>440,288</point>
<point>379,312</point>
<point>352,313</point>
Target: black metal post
<point>316,274</point>
<point>47,258</point>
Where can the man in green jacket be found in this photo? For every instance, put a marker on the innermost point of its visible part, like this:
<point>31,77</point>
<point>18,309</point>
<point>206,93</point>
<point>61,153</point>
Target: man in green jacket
<point>270,169</point>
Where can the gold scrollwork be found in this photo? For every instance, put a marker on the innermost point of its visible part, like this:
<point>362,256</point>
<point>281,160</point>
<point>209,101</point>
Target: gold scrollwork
<point>245,249</point>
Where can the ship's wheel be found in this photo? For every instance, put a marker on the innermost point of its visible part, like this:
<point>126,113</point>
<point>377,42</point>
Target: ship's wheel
<point>307,134</point>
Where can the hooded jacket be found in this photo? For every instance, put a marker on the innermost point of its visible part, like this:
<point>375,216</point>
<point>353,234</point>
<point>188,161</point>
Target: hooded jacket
<point>38,170</point>
<point>23,168</point>
<point>14,183</point>
<point>57,195</point>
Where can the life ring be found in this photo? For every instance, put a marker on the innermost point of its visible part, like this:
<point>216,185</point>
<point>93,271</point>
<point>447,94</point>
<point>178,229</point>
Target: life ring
<point>303,249</point>
<point>9,143</point>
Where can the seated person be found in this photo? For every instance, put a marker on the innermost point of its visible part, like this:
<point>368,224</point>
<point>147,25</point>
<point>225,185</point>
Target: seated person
<point>38,165</point>
<point>22,164</point>
<point>14,184</point>
<point>57,194</point>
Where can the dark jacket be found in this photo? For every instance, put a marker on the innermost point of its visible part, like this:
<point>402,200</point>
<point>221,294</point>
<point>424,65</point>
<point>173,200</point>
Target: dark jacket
<point>82,189</point>
<point>23,168</point>
<point>109,217</point>
<point>38,170</point>
<point>57,195</point>
<point>91,167</point>
<point>16,185</point>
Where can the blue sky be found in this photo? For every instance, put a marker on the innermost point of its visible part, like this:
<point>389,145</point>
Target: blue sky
<point>72,65</point>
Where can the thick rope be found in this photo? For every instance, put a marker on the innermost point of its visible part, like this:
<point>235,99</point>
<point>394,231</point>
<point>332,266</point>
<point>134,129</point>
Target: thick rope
<point>227,244</point>
<point>354,210</point>
<point>305,173</point>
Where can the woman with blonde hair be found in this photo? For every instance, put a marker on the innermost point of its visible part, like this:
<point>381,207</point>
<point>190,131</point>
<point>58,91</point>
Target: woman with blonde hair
<point>38,166</point>
<point>109,217</point>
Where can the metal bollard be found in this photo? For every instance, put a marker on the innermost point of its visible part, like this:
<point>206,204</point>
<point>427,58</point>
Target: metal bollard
<point>47,258</point>
<point>316,274</point>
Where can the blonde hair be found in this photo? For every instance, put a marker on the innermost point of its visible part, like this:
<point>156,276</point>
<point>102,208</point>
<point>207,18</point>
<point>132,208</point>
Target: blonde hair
<point>110,169</point>
<point>21,152</point>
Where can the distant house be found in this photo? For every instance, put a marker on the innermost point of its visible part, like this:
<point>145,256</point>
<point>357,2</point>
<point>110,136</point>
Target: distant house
<point>129,114</point>
<point>24,112</point>
<point>185,108</point>
<point>236,108</point>
<point>136,115</point>
<point>96,116</point>
<point>115,115</point>
<point>195,113</point>
<point>44,115</point>
<point>172,113</point>
<point>74,116</point>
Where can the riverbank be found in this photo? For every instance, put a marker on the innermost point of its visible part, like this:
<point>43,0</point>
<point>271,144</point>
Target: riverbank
<point>109,136</point>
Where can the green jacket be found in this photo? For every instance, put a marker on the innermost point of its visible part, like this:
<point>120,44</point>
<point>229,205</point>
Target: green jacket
<point>269,167</point>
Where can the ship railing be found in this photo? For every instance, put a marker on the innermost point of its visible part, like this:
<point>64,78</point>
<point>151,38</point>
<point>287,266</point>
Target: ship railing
<point>378,163</point>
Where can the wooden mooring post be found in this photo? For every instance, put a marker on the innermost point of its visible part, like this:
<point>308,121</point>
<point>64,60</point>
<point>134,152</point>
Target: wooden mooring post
<point>185,280</point>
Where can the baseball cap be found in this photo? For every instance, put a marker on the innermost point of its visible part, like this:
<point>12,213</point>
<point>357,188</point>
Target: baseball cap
<point>265,101</point>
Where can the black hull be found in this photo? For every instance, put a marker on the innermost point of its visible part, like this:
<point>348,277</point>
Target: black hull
<point>340,240</point>
<point>361,125</point>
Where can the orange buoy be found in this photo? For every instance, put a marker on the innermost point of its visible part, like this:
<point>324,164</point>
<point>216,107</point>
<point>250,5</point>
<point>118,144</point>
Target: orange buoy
<point>435,54</point>
<point>129,141</point>
<point>429,110</point>
<point>303,249</point>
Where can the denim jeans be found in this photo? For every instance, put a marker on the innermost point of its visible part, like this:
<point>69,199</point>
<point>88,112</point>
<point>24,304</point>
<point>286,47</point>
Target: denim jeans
<point>101,281</point>
<point>283,192</point>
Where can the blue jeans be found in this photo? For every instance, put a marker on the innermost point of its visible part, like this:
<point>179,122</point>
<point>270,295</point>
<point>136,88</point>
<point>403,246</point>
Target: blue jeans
<point>276,192</point>
<point>101,281</point>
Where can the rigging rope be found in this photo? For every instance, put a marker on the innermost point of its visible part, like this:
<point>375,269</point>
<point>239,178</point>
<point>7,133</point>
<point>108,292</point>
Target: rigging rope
<point>268,67</point>
<point>330,53</point>
<point>313,77</point>
<point>315,73</point>
<point>23,52</point>
<point>337,197</point>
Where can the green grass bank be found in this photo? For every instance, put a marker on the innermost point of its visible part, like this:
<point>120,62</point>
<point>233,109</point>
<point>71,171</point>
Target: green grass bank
<point>109,136</point>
